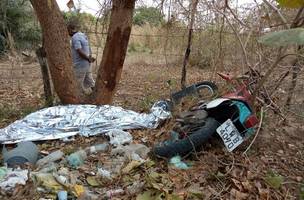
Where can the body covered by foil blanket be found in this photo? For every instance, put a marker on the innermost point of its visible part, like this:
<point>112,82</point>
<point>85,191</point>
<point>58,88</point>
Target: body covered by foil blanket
<point>87,120</point>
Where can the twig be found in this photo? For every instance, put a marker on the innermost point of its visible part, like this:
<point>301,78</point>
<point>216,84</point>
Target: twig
<point>256,135</point>
<point>194,149</point>
<point>235,17</point>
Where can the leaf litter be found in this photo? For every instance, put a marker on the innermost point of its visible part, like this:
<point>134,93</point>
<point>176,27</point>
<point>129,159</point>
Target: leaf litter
<point>214,173</point>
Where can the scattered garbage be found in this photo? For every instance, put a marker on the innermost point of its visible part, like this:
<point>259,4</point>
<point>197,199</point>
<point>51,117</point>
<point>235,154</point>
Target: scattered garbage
<point>48,168</point>
<point>62,195</point>
<point>98,148</point>
<point>3,172</point>
<point>10,178</point>
<point>88,195</point>
<point>119,137</point>
<point>64,171</point>
<point>87,120</point>
<point>92,181</point>
<point>129,151</point>
<point>76,159</point>
<point>52,157</point>
<point>111,193</point>
<point>63,180</point>
<point>104,173</point>
<point>78,190</point>
<point>115,166</point>
<point>47,181</point>
<point>178,163</point>
<point>23,153</point>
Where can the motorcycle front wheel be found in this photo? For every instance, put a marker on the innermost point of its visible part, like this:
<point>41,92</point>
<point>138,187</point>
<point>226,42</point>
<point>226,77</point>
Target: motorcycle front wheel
<point>204,90</point>
<point>188,144</point>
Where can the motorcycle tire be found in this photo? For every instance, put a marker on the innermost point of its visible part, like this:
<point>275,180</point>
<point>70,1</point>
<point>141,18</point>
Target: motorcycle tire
<point>213,89</point>
<point>195,90</point>
<point>192,142</point>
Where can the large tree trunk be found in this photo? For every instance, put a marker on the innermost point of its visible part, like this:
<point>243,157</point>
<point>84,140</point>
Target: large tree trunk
<point>58,51</point>
<point>115,51</point>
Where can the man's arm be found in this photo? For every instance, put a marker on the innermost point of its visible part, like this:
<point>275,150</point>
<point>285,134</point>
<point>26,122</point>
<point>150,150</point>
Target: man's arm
<point>76,44</point>
<point>85,56</point>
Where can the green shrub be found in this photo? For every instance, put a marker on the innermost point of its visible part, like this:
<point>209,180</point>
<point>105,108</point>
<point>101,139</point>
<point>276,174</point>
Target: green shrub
<point>148,15</point>
<point>18,19</point>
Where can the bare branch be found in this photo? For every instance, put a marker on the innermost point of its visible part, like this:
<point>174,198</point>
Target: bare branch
<point>276,10</point>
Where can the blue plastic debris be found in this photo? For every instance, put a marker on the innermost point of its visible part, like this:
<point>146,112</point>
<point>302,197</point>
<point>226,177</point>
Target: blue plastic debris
<point>178,163</point>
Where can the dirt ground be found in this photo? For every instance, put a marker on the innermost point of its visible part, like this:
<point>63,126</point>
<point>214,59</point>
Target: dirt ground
<point>273,168</point>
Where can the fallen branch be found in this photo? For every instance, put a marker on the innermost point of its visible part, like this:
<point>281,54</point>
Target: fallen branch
<point>258,131</point>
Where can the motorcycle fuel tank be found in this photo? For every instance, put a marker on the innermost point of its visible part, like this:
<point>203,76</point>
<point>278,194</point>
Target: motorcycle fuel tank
<point>214,103</point>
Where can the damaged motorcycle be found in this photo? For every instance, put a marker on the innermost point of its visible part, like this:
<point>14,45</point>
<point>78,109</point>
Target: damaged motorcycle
<point>231,117</point>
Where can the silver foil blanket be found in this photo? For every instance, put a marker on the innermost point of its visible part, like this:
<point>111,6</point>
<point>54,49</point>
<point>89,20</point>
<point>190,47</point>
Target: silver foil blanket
<point>87,120</point>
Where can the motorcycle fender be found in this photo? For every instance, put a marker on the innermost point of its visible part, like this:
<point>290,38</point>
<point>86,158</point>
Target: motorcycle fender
<point>214,103</point>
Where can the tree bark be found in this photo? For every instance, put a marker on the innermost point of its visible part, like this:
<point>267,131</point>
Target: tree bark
<point>114,53</point>
<point>58,51</point>
<point>41,55</point>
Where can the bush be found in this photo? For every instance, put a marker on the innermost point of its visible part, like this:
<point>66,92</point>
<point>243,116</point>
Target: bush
<point>82,19</point>
<point>18,19</point>
<point>148,15</point>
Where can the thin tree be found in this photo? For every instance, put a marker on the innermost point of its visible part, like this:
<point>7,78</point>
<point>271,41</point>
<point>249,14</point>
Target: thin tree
<point>188,49</point>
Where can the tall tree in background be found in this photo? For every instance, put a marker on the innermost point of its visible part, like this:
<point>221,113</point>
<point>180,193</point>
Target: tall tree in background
<point>57,47</point>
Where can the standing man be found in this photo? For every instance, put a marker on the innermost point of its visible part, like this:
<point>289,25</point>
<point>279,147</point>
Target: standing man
<point>82,58</point>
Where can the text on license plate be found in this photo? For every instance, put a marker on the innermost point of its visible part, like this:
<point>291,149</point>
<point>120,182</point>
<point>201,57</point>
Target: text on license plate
<point>230,135</point>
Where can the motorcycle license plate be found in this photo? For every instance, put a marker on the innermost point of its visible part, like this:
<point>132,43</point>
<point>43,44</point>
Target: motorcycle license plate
<point>230,135</point>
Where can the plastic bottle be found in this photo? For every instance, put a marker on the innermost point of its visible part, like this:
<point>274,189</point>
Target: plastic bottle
<point>52,157</point>
<point>98,148</point>
<point>76,159</point>
<point>61,179</point>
